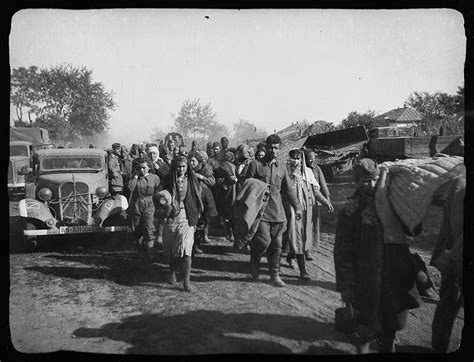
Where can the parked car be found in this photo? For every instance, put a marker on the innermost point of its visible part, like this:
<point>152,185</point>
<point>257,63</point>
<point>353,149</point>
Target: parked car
<point>67,194</point>
<point>20,164</point>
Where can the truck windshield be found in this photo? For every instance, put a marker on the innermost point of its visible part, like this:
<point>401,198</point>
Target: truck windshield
<point>18,150</point>
<point>71,162</point>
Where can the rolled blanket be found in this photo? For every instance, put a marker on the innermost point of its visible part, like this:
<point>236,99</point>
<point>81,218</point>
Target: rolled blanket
<point>412,185</point>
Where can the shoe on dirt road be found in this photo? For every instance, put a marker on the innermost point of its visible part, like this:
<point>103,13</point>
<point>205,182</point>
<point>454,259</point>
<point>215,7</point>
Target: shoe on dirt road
<point>198,251</point>
<point>171,278</point>
<point>276,281</point>
<point>305,277</point>
<point>187,286</point>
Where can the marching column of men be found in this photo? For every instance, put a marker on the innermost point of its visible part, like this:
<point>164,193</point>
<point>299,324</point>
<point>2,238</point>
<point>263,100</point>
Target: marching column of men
<point>176,196</point>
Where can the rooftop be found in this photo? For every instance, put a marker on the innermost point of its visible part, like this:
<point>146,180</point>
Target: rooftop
<point>404,114</point>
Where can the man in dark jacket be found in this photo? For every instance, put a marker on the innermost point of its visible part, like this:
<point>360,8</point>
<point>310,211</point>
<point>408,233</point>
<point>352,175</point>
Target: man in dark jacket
<point>268,238</point>
<point>448,258</point>
<point>377,278</point>
<point>127,168</point>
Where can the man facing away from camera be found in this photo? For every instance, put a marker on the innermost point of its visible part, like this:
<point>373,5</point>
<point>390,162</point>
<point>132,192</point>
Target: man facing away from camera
<point>378,278</point>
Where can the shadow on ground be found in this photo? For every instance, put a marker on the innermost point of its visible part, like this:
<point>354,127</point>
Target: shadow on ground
<point>125,268</point>
<point>221,333</point>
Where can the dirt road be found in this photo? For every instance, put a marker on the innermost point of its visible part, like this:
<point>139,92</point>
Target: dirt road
<point>99,296</point>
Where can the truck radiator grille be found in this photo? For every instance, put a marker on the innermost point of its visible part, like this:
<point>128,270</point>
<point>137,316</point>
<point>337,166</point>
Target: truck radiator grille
<point>75,206</point>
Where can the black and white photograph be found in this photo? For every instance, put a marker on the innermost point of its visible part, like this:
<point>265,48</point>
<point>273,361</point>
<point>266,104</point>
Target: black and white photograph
<point>200,181</point>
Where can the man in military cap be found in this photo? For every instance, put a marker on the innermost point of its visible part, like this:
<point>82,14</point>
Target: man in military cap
<point>214,159</point>
<point>115,170</point>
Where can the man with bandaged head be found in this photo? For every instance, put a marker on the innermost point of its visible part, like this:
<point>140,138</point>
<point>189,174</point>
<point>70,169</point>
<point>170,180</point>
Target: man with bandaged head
<point>310,159</point>
<point>157,165</point>
<point>242,162</point>
<point>375,277</point>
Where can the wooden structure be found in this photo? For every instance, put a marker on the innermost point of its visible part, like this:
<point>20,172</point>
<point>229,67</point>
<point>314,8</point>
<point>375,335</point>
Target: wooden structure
<point>387,148</point>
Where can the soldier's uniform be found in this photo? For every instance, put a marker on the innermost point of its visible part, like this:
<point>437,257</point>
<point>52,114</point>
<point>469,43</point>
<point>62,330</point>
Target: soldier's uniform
<point>142,207</point>
<point>115,172</point>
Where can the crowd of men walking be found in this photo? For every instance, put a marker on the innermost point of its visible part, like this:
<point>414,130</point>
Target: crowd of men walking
<point>175,195</point>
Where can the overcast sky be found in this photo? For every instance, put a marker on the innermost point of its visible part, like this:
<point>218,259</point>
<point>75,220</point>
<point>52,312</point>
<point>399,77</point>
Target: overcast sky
<point>271,67</point>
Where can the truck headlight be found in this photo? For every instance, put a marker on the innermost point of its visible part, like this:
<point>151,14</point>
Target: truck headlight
<point>45,194</point>
<point>101,191</point>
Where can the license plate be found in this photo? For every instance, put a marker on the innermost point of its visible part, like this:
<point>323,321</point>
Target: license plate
<point>77,229</point>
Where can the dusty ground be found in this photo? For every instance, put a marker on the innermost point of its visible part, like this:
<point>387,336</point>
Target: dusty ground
<point>99,296</point>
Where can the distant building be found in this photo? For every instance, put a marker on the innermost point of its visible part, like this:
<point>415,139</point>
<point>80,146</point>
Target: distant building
<point>402,117</point>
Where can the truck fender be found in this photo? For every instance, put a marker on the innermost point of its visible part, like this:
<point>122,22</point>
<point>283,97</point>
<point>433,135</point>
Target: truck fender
<point>35,209</point>
<point>109,207</point>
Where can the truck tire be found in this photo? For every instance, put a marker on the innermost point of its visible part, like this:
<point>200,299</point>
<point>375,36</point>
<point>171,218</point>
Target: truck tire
<point>30,243</point>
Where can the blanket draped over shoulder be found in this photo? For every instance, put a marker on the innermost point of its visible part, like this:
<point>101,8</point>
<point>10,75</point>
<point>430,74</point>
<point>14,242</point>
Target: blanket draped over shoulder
<point>405,193</point>
<point>249,205</point>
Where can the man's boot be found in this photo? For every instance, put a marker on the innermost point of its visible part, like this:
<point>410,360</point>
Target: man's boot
<point>255,266</point>
<point>187,273</point>
<point>171,279</point>
<point>148,247</point>
<point>274,264</point>
<point>206,239</point>
<point>230,234</point>
<point>301,264</point>
<point>276,280</point>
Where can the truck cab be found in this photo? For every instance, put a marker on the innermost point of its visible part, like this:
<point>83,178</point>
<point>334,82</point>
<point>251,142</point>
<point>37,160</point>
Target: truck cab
<point>20,165</point>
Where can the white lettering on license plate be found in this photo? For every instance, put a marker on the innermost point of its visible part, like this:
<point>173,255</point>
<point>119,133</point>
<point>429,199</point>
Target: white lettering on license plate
<point>76,229</point>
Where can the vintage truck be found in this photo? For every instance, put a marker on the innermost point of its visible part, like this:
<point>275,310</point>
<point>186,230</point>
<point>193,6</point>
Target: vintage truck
<point>34,135</point>
<point>24,142</point>
<point>67,194</point>
<point>20,164</point>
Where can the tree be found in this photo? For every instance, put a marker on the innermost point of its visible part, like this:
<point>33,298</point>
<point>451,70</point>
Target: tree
<point>195,119</point>
<point>244,130</point>
<point>440,110</point>
<point>216,133</point>
<point>64,99</point>
<point>367,119</point>
<point>25,93</point>
<point>459,101</point>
